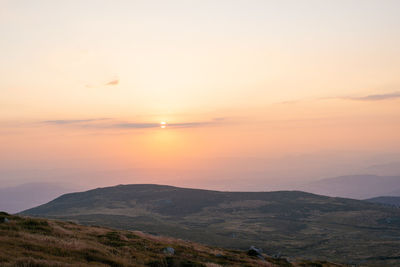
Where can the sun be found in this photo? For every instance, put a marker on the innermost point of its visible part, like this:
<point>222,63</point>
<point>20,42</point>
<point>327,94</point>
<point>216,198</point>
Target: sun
<point>163,124</point>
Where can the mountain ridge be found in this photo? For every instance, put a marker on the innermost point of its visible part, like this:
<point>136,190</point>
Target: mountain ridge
<point>386,200</point>
<point>290,223</point>
<point>360,186</point>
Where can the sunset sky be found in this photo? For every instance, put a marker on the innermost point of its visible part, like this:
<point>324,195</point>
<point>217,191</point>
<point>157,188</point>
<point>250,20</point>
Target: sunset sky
<point>247,90</point>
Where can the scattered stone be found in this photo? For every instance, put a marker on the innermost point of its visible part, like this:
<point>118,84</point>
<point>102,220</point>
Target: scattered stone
<point>169,250</point>
<point>253,251</point>
<point>277,255</point>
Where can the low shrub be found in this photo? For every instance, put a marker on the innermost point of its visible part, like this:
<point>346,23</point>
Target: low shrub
<point>35,226</point>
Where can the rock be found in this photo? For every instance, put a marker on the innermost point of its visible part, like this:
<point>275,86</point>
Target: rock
<point>169,250</point>
<point>277,255</point>
<point>253,251</point>
<point>6,220</point>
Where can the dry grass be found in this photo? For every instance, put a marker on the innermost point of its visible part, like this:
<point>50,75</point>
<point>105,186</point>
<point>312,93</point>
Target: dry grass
<point>36,242</point>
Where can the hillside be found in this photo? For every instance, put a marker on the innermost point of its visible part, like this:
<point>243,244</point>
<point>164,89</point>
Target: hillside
<point>27,241</point>
<point>391,201</point>
<point>355,186</point>
<point>290,223</point>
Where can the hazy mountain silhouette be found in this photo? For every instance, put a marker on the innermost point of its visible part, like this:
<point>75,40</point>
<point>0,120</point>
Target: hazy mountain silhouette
<point>293,223</point>
<point>356,186</point>
<point>393,201</point>
<point>17,198</point>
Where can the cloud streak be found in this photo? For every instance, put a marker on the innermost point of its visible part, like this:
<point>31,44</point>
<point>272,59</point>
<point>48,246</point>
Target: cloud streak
<point>107,123</point>
<point>113,82</point>
<point>375,97</point>
<point>171,125</point>
<point>63,122</point>
<point>135,125</point>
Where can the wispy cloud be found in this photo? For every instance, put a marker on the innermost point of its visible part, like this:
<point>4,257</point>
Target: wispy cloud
<point>135,125</point>
<point>107,123</point>
<point>81,121</point>
<point>113,82</point>
<point>171,125</point>
<point>194,124</point>
<point>190,124</point>
<point>375,97</point>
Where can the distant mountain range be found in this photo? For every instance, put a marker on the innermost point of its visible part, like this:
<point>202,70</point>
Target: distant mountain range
<point>355,186</point>
<point>288,223</point>
<point>18,198</point>
<point>391,201</point>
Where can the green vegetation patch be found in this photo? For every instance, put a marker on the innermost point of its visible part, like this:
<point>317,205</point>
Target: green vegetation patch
<point>174,262</point>
<point>112,239</point>
<point>35,226</point>
<point>93,255</point>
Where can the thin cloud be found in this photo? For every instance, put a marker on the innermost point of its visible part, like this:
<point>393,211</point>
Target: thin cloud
<point>112,124</point>
<point>63,122</point>
<point>219,118</point>
<point>191,124</point>
<point>113,82</point>
<point>375,97</point>
<point>135,125</point>
<point>168,125</point>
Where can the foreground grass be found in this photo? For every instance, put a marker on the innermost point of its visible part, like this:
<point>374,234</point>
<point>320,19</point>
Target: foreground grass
<point>28,241</point>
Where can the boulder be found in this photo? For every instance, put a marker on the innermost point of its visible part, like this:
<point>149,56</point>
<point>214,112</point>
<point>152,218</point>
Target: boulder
<point>169,250</point>
<point>277,255</point>
<point>253,251</point>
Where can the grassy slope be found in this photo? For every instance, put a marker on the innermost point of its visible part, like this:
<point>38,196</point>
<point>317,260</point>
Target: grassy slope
<point>296,224</point>
<point>28,241</point>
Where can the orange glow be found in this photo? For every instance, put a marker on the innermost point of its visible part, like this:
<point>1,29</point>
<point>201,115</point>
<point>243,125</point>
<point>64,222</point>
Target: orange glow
<point>177,86</point>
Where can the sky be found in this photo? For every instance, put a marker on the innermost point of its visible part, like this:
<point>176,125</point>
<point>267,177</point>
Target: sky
<point>253,93</point>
